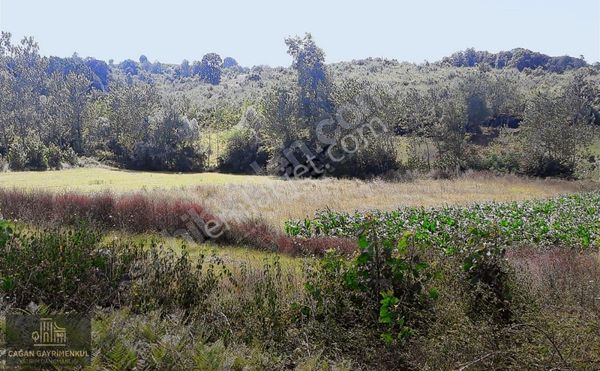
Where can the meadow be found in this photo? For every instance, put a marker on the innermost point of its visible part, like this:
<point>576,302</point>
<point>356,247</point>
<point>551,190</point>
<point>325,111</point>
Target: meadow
<point>235,197</point>
<point>441,216</point>
<point>475,272</point>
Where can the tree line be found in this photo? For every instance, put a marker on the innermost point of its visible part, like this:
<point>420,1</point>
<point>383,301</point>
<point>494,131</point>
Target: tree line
<point>441,118</point>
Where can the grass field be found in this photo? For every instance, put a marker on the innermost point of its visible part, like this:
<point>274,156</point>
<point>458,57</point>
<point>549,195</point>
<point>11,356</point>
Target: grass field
<point>243,197</point>
<point>101,179</point>
<point>237,305</point>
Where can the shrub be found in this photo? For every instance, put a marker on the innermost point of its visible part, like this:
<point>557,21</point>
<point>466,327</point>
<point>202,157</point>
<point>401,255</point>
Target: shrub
<point>261,236</point>
<point>490,288</point>
<point>58,157</point>
<point>388,281</point>
<point>17,156</point>
<point>373,157</point>
<point>3,164</point>
<point>243,148</point>
<point>133,213</point>
<point>547,166</point>
<point>31,153</point>
<point>69,156</point>
<point>62,269</point>
<point>500,160</point>
<point>37,154</point>
<point>76,270</point>
<point>55,157</point>
<point>163,280</point>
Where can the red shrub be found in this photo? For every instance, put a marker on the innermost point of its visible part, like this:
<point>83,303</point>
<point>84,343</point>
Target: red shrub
<point>139,213</point>
<point>262,236</point>
<point>134,213</point>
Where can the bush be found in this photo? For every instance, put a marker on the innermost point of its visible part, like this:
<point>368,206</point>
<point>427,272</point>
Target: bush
<point>76,270</point>
<point>17,157</point>
<point>163,280</point>
<point>64,270</point>
<point>3,164</point>
<point>489,280</point>
<point>171,144</point>
<point>376,157</point>
<point>32,154</point>
<point>547,166</point>
<point>184,158</point>
<point>388,287</point>
<point>37,154</point>
<point>55,157</point>
<point>263,237</point>
<point>136,213</point>
<point>242,149</point>
<point>69,156</point>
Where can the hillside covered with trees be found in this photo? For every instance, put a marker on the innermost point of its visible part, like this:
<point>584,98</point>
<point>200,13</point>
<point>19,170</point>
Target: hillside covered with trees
<point>517,111</point>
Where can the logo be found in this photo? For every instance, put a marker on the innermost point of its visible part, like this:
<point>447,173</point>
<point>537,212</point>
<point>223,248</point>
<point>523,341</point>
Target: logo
<point>49,335</point>
<point>39,342</point>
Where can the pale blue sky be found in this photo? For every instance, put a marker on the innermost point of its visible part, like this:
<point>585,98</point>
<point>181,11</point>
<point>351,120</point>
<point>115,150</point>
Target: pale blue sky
<point>253,31</point>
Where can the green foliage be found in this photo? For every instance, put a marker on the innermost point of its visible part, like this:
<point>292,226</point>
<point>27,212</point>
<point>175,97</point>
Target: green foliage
<point>171,144</point>
<point>162,280</point>
<point>313,80</point>
<point>517,58</point>
<point>32,154</point>
<point>490,286</point>
<point>567,221</point>
<point>17,157</point>
<point>242,150</point>
<point>76,270</point>
<point>452,114</point>
<point>387,285</point>
<point>65,270</point>
<point>209,69</point>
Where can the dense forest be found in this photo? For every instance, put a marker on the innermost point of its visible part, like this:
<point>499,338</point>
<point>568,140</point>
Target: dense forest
<point>517,111</point>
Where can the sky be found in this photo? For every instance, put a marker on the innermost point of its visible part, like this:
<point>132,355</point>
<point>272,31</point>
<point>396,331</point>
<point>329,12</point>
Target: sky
<point>253,32</point>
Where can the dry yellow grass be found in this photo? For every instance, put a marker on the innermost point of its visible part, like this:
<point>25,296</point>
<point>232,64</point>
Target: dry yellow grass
<point>276,202</point>
<point>101,179</point>
<point>238,197</point>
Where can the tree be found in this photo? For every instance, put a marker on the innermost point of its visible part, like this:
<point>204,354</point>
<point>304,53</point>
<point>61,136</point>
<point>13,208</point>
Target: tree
<point>128,111</point>
<point>129,67</point>
<point>556,129</point>
<point>184,69</point>
<point>65,107</point>
<point>24,83</point>
<point>313,80</point>
<point>229,62</point>
<point>209,69</point>
<point>101,72</point>
<point>145,63</point>
<point>172,143</point>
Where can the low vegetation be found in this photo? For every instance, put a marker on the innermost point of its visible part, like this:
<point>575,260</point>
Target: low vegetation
<point>571,221</point>
<point>393,304</point>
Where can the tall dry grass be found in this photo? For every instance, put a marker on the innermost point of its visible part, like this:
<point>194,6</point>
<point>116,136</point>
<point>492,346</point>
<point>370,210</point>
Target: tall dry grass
<point>276,202</point>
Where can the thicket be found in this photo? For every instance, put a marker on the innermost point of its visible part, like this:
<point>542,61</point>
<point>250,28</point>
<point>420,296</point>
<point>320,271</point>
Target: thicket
<point>392,305</point>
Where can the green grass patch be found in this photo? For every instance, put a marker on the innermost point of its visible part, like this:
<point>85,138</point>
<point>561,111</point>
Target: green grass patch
<point>100,179</point>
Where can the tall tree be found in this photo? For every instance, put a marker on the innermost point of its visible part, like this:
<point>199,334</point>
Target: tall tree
<point>209,69</point>
<point>313,80</point>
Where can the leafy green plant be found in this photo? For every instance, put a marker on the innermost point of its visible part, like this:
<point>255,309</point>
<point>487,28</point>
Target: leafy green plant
<point>388,285</point>
<point>567,220</point>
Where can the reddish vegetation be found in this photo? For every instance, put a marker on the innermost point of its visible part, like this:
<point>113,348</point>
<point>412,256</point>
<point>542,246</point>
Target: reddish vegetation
<point>262,236</point>
<point>139,213</point>
<point>560,275</point>
<point>133,213</point>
